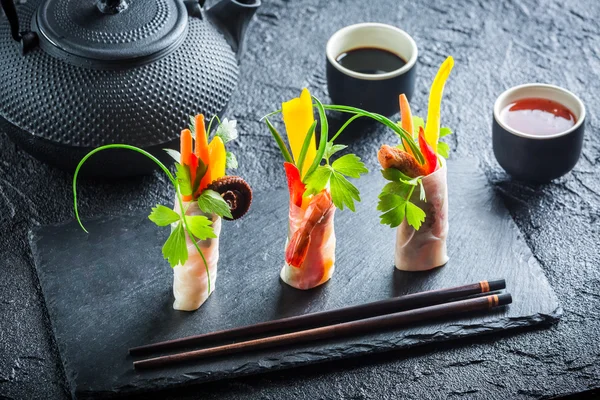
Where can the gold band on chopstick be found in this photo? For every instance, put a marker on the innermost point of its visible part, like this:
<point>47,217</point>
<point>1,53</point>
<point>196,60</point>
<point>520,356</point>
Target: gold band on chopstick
<point>485,286</point>
<point>493,301</point>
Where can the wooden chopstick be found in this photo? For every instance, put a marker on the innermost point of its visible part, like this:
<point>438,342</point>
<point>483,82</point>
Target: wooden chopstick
<point>406,302</point>
<point>396,320</point>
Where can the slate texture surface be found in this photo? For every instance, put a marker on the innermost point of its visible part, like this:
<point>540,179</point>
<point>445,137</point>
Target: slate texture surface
<point>109,290</point>
<point>496,45</point>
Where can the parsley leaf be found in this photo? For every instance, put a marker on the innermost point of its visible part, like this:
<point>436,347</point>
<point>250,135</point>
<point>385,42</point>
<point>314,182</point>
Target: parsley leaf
<point>200,226</point>
<point>231,161</point>
<point>396,210</point>
<point>343,192</point>
<point>183,177</point>
<point>397,188</point>
<point>174,154</point>
<point>163,216</point>
<point>211,202</point>
<point>443,149</point>
<point>317,180</point>
<point>331,149</point>
<point>394,200</point>
<point>445,131</point>
<point>414,215</point>
<point>387,201</point>
<point>349,165</point>
<point>175,248</point>
<point>394,175</point>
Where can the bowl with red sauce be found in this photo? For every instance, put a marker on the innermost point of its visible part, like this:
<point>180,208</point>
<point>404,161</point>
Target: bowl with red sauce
<point>537,131</point>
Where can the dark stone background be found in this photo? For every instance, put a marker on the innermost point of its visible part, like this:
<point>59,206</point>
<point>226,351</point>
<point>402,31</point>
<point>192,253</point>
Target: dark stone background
<point>495,45</point>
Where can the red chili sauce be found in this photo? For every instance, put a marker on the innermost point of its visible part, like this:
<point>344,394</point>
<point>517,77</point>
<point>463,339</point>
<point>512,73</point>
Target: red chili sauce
<point>538,116</point>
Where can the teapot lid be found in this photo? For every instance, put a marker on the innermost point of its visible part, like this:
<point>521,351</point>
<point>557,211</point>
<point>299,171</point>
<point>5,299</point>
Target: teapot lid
<point>102,33</point>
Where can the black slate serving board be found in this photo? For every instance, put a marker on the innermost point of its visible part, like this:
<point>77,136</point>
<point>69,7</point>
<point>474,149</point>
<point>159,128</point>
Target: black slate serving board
<point>110,290</point>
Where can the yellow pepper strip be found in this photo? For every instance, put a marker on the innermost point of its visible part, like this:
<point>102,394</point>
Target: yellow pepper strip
<point>217,157</point>
<point>306,201</point>
<point>298,117</point>
<point>432,127</point>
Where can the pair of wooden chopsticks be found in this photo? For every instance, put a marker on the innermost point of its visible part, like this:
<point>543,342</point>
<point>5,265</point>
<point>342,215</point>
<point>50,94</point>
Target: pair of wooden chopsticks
<point>394,312</point>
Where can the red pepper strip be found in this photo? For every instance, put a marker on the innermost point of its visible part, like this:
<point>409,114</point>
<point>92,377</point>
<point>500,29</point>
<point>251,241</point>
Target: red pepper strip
<point>428,153</point>
<point>295,184</point>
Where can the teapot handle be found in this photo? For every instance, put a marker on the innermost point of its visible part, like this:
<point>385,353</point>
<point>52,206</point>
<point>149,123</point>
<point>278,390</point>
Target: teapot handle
<point>27,39</point>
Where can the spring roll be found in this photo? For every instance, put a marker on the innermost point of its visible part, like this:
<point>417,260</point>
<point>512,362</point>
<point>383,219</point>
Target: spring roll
<point>310,233</point>
<point>426,248</point>
<point>190,280</point>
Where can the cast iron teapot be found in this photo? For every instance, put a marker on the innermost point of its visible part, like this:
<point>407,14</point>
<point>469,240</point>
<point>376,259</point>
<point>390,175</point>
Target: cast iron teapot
<point>84,73</point>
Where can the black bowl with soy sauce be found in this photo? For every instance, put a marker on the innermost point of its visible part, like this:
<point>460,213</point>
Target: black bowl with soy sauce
<point>537,131</point>
<point>369,65</point>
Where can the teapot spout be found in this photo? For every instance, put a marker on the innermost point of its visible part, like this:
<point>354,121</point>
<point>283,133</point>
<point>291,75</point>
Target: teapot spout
<point>233,18</point>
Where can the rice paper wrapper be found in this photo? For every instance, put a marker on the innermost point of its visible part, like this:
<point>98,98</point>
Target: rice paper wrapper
<point>190,280</point>
<point>319,264</point>
<point>426,248</point>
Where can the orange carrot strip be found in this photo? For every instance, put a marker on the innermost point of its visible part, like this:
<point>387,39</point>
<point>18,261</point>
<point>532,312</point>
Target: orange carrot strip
<point>201,139</point>
<point>406,119</point>
<point>186,146</point>
<point>186,152</point>
<point>202,151</point>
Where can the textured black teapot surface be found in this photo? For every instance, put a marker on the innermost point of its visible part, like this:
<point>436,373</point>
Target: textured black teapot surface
<point>89,73</point>
<point>106,34</point>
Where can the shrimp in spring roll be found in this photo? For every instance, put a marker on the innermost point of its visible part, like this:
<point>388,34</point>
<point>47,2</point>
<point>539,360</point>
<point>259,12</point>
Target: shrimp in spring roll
<point>310,248</point>
<point>416,198</point>
<point>316,191</point>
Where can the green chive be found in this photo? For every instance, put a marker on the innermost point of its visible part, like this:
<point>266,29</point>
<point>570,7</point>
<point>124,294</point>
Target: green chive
<point>323,139</point>
<point>284,150</point>
<point>305,145</point>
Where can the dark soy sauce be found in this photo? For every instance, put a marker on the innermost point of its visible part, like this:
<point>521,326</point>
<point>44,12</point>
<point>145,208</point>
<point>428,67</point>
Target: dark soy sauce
<point>370,60</point>
<point>538,116</point>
